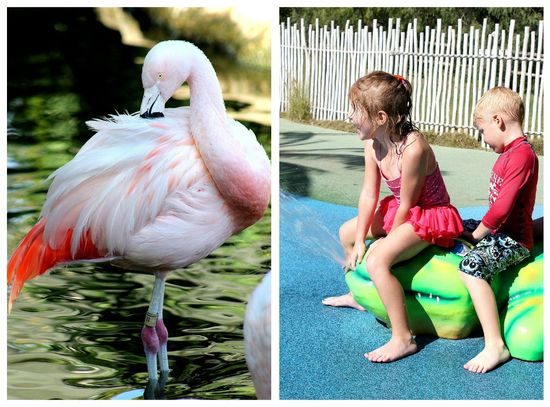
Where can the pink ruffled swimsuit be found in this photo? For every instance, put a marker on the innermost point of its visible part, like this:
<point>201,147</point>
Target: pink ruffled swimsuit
<point>434,218</point>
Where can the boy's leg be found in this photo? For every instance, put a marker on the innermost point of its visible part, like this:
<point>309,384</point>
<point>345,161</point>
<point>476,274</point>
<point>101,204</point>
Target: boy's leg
<point>495,351</point>
<point>401,244</point>
<point>490,256</point>
<point>347,239</point>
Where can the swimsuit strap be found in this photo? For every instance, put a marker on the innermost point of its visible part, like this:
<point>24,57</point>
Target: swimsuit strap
<point>399,155</point>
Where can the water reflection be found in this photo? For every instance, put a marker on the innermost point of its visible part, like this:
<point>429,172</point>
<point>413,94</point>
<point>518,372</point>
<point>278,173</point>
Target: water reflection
<point>75,332</point>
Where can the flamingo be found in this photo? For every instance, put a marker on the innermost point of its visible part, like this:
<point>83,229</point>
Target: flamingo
<point>257,338</point>
<point>152,192</point>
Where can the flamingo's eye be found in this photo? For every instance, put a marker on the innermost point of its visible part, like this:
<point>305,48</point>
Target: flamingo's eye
<point>159,76</point>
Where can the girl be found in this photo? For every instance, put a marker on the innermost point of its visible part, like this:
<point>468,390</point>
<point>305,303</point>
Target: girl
<point>417,214</point>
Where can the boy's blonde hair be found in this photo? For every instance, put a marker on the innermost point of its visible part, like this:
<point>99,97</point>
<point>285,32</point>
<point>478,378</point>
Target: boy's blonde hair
<point>500,100</point>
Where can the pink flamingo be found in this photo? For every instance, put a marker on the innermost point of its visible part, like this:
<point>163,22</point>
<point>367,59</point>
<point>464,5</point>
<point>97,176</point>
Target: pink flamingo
<point>153,192</point>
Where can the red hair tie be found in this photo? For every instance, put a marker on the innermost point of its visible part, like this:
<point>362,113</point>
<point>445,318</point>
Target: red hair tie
<point>400,78</point>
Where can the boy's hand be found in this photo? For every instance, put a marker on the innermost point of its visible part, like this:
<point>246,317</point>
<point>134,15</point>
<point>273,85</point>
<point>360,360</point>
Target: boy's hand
<point>467,235</point>
<point>480,232</point>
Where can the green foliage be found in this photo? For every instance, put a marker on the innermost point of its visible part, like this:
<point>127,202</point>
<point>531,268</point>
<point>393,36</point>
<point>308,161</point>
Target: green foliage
<point>426,16</point>
<point>215,30</point>
<point>299,106</point>
<point>538,145</point>
<point>202,26</point>
<point>53,115</point>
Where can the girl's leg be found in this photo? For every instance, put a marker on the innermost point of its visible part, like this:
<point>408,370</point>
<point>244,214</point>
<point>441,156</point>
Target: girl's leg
<point>495,351</point>
<point>347,239</point>
<point>401,244</point>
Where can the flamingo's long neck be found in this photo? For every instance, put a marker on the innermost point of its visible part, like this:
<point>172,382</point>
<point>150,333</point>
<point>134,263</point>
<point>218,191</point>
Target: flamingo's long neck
<point>206,93</point>
<point>222,151</point>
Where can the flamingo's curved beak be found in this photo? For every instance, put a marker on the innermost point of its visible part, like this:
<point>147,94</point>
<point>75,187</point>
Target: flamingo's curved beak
<point>152,105</point>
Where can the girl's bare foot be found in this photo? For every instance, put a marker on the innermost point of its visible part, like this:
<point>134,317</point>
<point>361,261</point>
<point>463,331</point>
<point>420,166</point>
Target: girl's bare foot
<point>489,358</point>
<point>395,349</point>
<point>345,300</point>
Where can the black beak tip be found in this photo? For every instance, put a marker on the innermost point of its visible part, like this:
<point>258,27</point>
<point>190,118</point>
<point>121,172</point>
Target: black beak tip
<point>153,115</point>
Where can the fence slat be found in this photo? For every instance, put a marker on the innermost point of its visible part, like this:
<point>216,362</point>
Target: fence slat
<point>537,106</point>
<point>509,53</point>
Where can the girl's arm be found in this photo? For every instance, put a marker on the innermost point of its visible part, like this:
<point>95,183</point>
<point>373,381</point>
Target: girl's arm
<point>413,174</point>
<point>368,199</point>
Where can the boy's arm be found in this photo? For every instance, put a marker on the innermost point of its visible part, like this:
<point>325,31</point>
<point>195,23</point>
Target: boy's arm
<point>518,171</point>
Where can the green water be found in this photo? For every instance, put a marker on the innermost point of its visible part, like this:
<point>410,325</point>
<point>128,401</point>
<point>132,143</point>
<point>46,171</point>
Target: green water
<point>74,333</point>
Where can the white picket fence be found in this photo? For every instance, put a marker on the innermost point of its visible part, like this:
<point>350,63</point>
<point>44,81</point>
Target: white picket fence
<point>449,70</point>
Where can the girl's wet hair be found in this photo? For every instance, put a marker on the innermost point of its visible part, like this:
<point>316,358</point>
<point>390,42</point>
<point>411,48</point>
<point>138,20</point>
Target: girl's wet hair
<point>381,91</point>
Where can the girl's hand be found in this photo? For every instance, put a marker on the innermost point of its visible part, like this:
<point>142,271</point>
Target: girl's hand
<point>355,256</point>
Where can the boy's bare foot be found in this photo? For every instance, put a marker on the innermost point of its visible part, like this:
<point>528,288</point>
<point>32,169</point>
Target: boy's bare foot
<point>488,359</point>
<point>395,349</point>
<point>345,300</point>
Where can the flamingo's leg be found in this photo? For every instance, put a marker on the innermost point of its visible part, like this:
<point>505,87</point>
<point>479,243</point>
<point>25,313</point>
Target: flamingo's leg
<point>162,334</point>
<point>149,336</point>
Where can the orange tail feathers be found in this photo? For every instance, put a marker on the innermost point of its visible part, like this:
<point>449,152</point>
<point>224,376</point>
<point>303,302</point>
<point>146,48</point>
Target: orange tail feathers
<point>34,257</point>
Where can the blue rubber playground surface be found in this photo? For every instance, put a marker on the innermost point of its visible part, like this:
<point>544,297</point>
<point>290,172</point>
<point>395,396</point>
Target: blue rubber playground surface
<point>321,348</point>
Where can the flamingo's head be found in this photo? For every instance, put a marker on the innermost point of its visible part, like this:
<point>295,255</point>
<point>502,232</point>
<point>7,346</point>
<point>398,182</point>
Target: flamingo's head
<point>166,67</point>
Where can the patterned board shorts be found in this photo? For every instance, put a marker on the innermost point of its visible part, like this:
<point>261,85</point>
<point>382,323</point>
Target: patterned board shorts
<point>491,255</point>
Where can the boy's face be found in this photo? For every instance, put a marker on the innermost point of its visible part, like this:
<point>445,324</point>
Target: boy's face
<point>491,130</point>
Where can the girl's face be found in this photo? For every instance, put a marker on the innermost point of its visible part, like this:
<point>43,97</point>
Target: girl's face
<point>366,129</point>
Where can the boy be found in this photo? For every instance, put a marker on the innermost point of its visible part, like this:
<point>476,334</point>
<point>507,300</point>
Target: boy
<point>504,237</point>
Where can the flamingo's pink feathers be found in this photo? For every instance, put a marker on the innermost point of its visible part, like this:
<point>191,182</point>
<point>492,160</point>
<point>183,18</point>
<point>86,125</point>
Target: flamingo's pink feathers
<point>34,257</point>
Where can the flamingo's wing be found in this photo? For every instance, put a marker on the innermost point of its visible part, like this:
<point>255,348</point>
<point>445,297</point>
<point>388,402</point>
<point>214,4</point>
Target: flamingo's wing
<point>120,179</point>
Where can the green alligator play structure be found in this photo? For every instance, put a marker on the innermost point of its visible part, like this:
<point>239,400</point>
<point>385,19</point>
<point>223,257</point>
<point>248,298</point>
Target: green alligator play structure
<point>438,303</point>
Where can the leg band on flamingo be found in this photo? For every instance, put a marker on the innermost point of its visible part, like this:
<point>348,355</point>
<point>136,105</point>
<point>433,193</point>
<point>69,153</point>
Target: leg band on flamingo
<point>150,319</point>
